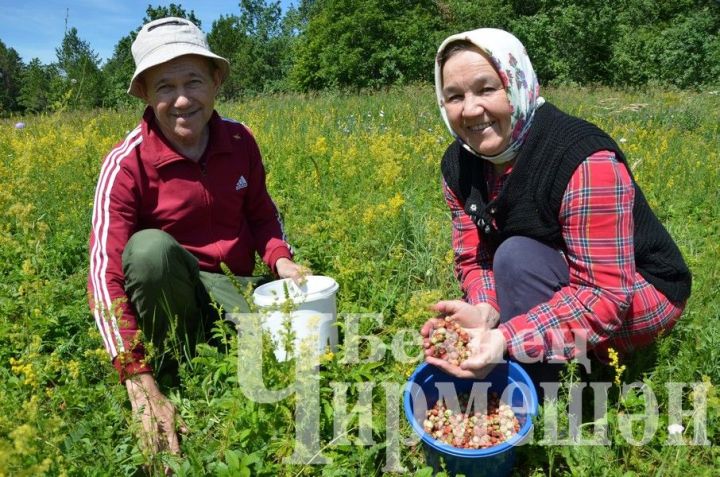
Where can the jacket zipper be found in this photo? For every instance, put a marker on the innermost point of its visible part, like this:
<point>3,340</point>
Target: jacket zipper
<point>208,205</point>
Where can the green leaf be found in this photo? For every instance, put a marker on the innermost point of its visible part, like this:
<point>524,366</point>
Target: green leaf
<point>250,459</point>
<point>424,472</point>
<point>232,459</point>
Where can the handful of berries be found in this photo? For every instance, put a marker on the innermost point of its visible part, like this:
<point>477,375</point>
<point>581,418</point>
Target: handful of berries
<point>448,341</point>
<point>476,430</point>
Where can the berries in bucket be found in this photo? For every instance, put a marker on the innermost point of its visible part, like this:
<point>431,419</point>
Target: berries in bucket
<point>471,430</point>
<point>454,450</point>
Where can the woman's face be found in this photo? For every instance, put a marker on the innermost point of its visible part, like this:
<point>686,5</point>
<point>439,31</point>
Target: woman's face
<point>476,104</point>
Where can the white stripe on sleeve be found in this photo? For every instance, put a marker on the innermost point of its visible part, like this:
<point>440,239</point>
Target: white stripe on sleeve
<point>103,311</point>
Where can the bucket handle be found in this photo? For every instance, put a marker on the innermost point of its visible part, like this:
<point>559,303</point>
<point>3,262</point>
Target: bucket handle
<point>298,289</point>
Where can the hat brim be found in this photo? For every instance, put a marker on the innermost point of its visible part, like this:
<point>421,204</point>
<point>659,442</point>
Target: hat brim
<point>169,52</point>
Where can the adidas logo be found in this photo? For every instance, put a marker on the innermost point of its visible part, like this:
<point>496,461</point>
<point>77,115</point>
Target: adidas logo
<point>241,183</point>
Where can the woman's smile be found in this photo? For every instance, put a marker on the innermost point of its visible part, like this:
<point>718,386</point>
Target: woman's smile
<point>476,104</point>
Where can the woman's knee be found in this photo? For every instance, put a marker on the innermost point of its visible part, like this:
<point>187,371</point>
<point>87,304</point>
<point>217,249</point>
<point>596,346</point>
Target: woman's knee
<point>521,258</point>
<point>513,258</point>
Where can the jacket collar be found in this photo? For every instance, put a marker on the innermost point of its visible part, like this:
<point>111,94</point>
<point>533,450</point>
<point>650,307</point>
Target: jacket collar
<point>158,151</point>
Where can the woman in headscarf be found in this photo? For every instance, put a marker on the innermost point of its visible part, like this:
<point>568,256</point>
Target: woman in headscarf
<point>556,249</point>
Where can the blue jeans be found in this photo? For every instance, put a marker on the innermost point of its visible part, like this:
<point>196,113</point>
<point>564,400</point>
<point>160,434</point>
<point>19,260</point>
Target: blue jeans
<point>527,273</point>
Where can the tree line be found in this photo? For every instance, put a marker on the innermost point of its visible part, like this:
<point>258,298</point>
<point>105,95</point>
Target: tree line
<point>322,44</point>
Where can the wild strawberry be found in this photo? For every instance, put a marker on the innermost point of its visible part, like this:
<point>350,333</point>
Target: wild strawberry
<point>476,430</point>
<point>448,341</point>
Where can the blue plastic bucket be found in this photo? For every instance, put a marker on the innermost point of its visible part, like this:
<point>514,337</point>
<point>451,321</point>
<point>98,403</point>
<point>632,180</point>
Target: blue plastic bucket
<point>509,381</point>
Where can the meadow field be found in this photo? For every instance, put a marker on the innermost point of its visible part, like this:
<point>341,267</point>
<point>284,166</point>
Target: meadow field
<point>357,179</point>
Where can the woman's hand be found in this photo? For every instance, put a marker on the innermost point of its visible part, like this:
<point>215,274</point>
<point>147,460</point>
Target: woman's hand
<point>286,268</point>
<point>483,315</point>
<point>156,414</point>
<point>487,344</point>
<point>487,348</point>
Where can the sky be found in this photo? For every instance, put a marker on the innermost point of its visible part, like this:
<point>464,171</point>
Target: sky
<point>35,28</point>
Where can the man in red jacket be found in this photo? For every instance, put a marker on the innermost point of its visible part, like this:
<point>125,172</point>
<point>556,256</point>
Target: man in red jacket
<point>184,192</point>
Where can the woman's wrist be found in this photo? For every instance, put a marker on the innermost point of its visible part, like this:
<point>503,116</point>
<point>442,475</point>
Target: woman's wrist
<point>489,315</point>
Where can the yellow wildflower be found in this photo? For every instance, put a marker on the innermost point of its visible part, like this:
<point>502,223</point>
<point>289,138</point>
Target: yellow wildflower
<point>27,268</point>
<point>73,369</point>
<point>615,363</point>
<point>18,367</point>
<point>395,203</point>
<point>327,357</point>
<point>320,148</point>
<point>23,437</point>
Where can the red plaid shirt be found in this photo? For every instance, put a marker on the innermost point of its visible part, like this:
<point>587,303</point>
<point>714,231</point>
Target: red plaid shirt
<point>607,300</point>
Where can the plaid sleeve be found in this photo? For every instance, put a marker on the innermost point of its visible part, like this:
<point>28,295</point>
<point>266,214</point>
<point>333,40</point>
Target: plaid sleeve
<point>597,226</point>
<point>473,261</point>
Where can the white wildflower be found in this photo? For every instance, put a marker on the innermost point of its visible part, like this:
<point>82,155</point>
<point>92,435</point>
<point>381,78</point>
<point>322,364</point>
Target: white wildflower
<point>675,429</point>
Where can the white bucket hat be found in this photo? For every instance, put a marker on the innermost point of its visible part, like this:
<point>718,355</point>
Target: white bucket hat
<point>165,39</point>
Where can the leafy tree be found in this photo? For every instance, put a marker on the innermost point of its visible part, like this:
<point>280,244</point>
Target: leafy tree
<point>120,67</point>
<point>79,67</point>
<point>172,10</point>
<point>374,43</point>
<point>257,44</point>
<point>383,42</point>
<point>226,39</point>
<point>118,70</point>
<point>678,44</point>
<point>11,67</point>
<point>461,15</point>
<point>35,93</point>
<point>297,17</point>
<point>570,42</point>
<point>634,13</point>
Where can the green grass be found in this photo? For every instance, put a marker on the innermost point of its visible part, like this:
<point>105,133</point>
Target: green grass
<point>357,179</point>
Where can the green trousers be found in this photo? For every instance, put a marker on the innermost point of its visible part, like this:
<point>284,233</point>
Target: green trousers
<point>175,302</point>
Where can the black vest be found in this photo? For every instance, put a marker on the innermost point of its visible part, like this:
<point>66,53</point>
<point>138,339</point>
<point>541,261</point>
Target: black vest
<point>529,202</point>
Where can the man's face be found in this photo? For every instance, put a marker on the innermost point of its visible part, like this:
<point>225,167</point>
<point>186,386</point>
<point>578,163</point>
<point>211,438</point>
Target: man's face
<point>182,93</point>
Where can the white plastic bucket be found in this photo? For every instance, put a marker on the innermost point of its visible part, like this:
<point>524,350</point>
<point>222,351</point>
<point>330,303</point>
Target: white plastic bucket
<point>313,319</point>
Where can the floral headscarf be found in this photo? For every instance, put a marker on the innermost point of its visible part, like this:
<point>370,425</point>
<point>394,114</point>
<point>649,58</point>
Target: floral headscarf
<point>512,64</point>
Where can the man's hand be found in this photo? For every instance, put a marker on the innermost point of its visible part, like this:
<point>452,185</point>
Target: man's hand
<point>487,345</point>
<point>286,268</point>
<point>156,414</point>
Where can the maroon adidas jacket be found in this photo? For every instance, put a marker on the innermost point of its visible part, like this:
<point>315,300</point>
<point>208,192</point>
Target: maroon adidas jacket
<point>218,209</point>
